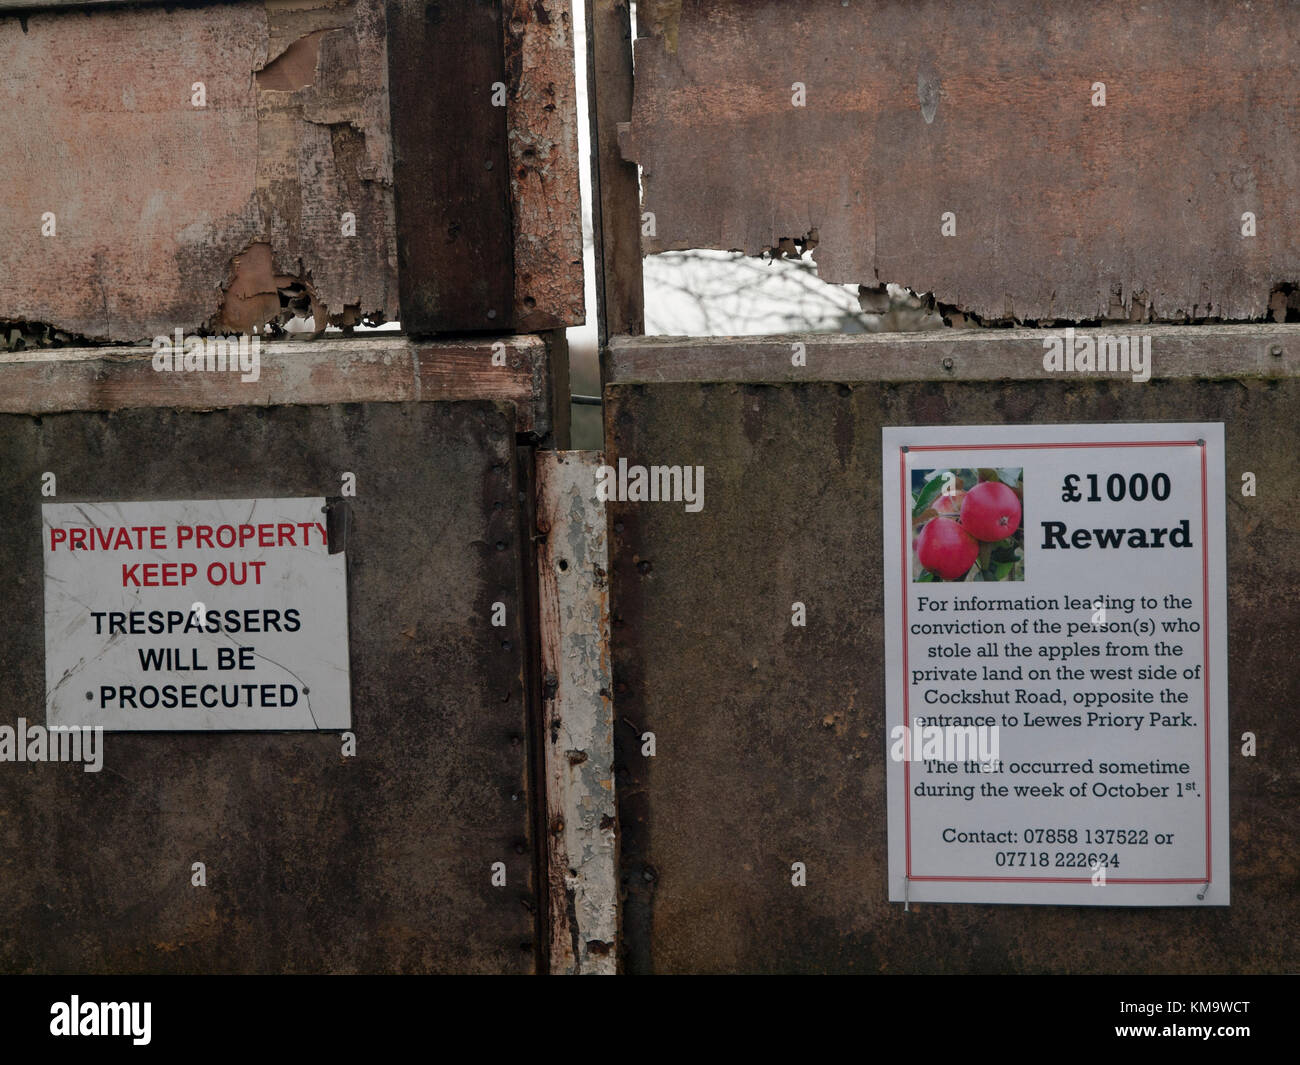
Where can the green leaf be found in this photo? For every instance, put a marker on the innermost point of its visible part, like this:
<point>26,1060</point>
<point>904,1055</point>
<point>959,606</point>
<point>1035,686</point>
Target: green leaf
<point>927,495</point>
<point>926,577</point>
<point>987,474</point>
<point>1002,569</point>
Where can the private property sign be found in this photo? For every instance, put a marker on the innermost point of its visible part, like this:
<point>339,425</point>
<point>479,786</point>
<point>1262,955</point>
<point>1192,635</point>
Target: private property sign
<point>1056,660</point>
<point>210,615</point>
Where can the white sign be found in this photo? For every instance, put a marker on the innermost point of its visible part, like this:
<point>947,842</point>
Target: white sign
<point>211,614</point>
<point>1056,664</point>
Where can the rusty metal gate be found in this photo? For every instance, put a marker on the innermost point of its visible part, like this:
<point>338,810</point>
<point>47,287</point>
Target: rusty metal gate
<point>264,168</point>
<point>1038,178</point>
<point>544,778</point>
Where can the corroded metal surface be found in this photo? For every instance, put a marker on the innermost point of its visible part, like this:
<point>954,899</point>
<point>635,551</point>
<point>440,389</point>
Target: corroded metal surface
<point>578,719</point>
<point>1060,209</point>
<point>315,861</point>
<point>771,739</point>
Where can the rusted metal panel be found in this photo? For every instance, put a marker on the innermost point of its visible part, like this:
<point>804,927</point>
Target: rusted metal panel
<point>578,720</point>
<point>771,740</point>
<point>375,369</point>
<point>1060,209</point>
<point>218,196</point>
<point>316,862</point>
<point>455,244</point>
<point>543,144</point>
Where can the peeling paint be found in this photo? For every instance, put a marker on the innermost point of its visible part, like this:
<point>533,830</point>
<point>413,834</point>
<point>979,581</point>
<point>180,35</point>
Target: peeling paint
<point>257,296</point>
<point>579,755</point>
<point>295,67</point>
<point>153,208</point>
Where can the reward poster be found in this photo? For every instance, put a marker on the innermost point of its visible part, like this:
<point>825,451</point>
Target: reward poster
<point>1056,664</point>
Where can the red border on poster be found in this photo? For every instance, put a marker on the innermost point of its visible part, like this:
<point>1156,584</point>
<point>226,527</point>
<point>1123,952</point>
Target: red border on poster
<point>905,512</point>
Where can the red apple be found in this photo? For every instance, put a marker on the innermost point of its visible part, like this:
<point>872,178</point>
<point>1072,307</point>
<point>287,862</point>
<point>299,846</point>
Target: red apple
<point>990,511</point>
<point>946,549</point>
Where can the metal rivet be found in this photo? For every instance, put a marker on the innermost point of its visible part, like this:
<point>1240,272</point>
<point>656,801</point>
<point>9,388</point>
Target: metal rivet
<point>1275,350</point>
<point>947,363</point>
<point>492,314</point>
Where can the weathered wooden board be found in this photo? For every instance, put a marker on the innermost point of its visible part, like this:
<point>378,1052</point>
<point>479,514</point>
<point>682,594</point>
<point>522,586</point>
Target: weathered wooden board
<point>578,722</point>
<point>315,861</point>
<point>616,191</point>
<point>375,369</point>
<point>276,195</point>
<point>1062,210</point>
<point>446,65</point>
<point>771,740</point>
<point>542,139</point>
<point>948,355</point>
